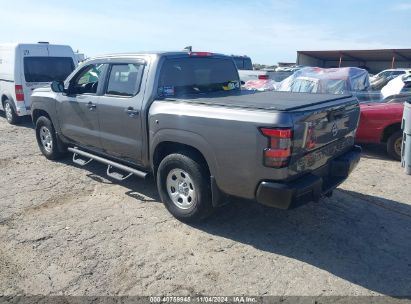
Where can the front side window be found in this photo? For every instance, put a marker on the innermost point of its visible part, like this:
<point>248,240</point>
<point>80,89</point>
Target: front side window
<point>197,75</point>
<point>47,69</point>
<point>86,82</point>
<point>124,79</point>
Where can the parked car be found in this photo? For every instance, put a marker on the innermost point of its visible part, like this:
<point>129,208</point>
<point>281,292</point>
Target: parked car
<point>397,87</point>
<point>391,72</point>
<point>247,72</point>
<point>243,62</point>
<point>182,117</point>
<point>25,67</point>
<point>381,79</point>
<point>331,81</point>
<point>261,85</point>
<point>381,123</point>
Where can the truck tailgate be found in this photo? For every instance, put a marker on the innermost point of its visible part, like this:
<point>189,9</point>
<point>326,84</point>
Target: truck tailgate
<point>323,132</point>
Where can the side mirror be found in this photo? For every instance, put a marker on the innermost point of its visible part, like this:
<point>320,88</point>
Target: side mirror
<point>57,86</point>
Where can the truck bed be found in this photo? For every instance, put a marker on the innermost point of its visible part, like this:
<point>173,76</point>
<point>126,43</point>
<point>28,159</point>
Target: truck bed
<point>277,101</point>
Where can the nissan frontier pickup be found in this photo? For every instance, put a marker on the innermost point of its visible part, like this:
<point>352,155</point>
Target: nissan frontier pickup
<point>182,118</point>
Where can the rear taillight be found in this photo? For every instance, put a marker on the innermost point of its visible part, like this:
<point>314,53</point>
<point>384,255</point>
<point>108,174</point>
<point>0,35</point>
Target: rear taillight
<point>19,92</point>
<point>263,77</point>
<point>278,152</point>
<point>200,54</point>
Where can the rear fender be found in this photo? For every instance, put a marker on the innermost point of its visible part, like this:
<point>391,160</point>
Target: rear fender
<point>186,138</point>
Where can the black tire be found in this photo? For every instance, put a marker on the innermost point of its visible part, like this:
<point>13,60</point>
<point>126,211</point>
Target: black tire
<point>201,206</point>
<point>392,145</point>
<point>9,112</point>
<point>43,124</point>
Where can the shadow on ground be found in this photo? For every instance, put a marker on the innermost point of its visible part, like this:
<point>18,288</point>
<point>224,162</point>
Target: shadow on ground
<point>375,151</point>
<point>363,239</point>
<point>346,235</point>
<point>141,189</point>
<point>24,121</point>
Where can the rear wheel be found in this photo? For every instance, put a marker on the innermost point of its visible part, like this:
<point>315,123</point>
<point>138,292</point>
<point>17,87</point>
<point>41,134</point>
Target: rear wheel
<point>11,115</point>
<point>47,139</point>
<point>394,144</point>
<point>184,187</point>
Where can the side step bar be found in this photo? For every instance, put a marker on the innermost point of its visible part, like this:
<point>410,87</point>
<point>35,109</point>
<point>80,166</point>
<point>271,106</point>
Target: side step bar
<point>109,163</point>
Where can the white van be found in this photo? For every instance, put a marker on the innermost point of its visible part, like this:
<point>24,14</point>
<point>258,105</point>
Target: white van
<point>25,67</point>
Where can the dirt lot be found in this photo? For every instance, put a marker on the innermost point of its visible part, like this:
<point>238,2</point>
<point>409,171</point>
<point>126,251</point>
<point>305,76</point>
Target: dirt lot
<point>69,230</point>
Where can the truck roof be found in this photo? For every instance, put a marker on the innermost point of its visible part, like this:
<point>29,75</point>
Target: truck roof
<point>16,44</point>
<point>152,53</point>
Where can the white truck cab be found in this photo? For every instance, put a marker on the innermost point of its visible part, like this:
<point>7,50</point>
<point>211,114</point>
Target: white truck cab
<point>25,67</point>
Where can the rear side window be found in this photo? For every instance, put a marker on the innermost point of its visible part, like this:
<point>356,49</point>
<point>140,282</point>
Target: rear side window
<point>396,73</point>
<point>243,63</point>
<point>196,75</point>
<point>47,69</point>
<point>239,62</point>
<point>248,64</point>
<point>124,79</point>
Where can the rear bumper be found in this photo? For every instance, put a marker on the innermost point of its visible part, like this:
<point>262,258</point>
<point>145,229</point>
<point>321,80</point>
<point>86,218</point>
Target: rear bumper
<point>22,110</point>
<point>308,187</point>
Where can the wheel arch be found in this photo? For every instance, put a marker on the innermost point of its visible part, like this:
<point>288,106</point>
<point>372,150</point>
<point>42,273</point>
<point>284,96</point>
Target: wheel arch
<point>165,148</point>
<point>37,113</point>
<point>389,130</point>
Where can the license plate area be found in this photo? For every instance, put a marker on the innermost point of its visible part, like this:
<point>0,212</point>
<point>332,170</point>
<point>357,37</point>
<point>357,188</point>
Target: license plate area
<point>319,157</point>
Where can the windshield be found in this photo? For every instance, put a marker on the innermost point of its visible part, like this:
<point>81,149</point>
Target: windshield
<point>196,75</point>
<point>47,69</point>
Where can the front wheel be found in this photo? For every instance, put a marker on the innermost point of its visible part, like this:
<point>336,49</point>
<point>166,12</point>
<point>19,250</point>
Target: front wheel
<point>184,187</point>
<point>47,139</point>
<point>394,144</point>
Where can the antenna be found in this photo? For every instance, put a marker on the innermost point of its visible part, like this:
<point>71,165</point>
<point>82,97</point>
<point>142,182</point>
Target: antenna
<point>188,48</point>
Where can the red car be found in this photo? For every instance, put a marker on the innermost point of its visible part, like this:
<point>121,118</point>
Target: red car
<point>381,123</point>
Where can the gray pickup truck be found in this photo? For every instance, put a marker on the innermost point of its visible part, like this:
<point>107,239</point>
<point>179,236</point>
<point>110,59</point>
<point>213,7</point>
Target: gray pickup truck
<point>182,118</point>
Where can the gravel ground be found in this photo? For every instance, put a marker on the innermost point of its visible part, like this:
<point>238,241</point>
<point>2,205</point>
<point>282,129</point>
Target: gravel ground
<point>66,230</point>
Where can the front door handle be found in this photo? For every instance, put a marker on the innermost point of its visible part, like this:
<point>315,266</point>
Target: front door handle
<point>131,112</point>
<point>91,106</point>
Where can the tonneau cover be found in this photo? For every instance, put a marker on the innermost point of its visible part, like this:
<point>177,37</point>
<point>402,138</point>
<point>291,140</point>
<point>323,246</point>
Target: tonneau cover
<point>278,101</point>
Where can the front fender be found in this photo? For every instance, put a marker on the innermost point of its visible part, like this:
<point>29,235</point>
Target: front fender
<point>45,104</point>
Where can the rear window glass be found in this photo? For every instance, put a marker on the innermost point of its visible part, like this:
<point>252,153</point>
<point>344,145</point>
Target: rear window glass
<point>197,75</point>
<point>47,69</point>
<point>124,79</point>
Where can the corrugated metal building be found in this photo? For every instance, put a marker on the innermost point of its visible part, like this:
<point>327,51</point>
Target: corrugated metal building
<point>372,60</point>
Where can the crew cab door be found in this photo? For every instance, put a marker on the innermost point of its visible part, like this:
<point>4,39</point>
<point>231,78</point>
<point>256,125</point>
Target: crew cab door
<point>78,108</point>
<point>120,110</point>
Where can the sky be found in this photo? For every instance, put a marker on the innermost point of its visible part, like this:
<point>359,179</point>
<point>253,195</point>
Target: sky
<point>268,31</point>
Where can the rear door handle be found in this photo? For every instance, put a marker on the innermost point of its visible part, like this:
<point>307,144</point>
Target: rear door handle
<point>131,111</point>
<point>91,106</point>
